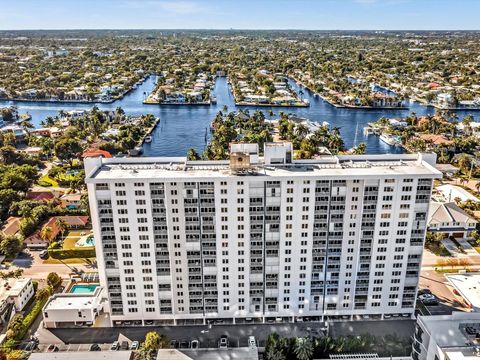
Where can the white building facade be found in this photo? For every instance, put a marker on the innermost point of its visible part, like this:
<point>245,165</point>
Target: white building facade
<point>182,241</point>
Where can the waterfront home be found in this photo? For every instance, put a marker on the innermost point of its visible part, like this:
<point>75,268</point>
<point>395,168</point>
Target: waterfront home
<point>472,129</point>
<point>194,96</point>
<point>281,100</point>
<point>450,219</point>
<point>174,97</point>
<point>434,141</point>
<point>445,100</point>
<point>257,99</point>
<point>17,131</point>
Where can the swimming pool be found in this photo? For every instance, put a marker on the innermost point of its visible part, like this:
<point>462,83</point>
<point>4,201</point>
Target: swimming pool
<point>83,288</point>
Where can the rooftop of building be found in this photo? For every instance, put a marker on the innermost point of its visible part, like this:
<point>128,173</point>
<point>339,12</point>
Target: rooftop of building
<point>375,166</point>
<point>12,287</point>
<point>443,213</point>
<point>468,285</point>
<point>209,354</point>
<point>69,301</point>
<point>83,355</point>
<point>448,331</point>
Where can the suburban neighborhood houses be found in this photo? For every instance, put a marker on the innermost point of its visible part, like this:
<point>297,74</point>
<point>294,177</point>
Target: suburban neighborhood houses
<point>239,194</point>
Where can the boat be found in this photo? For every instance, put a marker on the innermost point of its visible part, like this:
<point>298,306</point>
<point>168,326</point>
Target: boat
<point>148,139</point>
<point>391,140</point>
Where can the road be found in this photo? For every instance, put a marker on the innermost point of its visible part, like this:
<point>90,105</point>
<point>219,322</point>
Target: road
<point>33,267</point>
<point>237,334</point>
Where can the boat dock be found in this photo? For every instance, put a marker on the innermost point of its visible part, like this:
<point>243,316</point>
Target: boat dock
<point>138,150</point>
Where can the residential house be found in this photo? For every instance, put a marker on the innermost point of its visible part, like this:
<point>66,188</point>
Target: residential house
<point>46,196</point>
<point>72,222</point>
<point>450,219</point>
<point>11,227</point>
<point>14,295</point>
<point>434,141</point>
<point>71,201</point>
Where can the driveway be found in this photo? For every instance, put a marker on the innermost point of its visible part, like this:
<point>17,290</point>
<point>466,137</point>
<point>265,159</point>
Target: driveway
<point>451,247</point>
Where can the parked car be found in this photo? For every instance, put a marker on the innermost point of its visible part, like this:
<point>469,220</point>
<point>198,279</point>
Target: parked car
<point>470,330</point>
<point>115,346</point>
<point>124,345</point>
<point>43,254</point>
<point>424,291</point>
<point>428,299</point>
<point>95,347</point>
<point>148,322</point>
<point>135,345</point>
<point>52,348</point>
<point>174,344</point>
<point>184,344</point>
<point>195,344</point>
<point>251,341</point>
<point>223,342</point>
<point>31,345</point>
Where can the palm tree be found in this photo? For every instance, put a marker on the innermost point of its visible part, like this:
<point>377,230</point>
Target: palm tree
<point>46,233</point>
<point>303,348</point>
<point>61,225</point>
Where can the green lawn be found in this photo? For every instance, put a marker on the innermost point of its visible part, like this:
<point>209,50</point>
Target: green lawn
<point>48,179</point>
<point>69,243</point>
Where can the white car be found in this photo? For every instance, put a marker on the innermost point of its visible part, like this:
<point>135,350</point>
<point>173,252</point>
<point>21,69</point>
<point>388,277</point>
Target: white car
<point>251,341</point>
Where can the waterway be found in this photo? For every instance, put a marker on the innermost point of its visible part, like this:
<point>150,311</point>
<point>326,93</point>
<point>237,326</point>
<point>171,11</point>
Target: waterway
<point>182,127</point>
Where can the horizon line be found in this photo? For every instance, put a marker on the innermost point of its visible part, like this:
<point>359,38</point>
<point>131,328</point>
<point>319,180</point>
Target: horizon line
<point>232,29</point>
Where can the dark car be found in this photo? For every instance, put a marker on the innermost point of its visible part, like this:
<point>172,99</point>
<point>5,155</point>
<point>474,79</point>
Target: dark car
<point>223,342</point>
<point>423,292</point>
<point>52,348</point>
<point>95,347</point>
<point>470,330</point>
<point>124,345</point>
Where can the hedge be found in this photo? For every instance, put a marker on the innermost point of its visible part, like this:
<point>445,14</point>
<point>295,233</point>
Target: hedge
<point>61,254</point>
<point>27,322</point>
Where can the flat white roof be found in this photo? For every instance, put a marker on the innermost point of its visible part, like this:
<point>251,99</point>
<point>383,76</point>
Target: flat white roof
<point>468,285</point>
<point>450,192</point>
<point>12,287</point>
<point>334,167</point>
<point>70,301</point>
<point>447,330</point>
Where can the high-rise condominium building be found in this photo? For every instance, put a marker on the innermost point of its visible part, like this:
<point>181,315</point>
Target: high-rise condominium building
<point>260,237</point>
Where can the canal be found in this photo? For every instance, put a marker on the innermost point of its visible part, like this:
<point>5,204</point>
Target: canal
<point>182,127</point>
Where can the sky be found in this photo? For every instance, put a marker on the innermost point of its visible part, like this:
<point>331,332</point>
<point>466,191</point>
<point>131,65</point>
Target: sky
<point>241,14</point>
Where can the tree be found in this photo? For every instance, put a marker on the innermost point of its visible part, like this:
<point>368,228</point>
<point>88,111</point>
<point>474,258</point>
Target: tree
<point>43,294</point>
<point>11,246</point>
<point>46,233</point>
<point>53,280</point>
<point>192,154</point>
<point>67,149</point>
<point>152,341</point>
<point>61,225</point>
<point>360,149</point>
<point>303,348</point>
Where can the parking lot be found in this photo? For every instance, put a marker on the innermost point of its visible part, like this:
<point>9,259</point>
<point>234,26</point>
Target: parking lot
<point>441,288</point>
<point>237,334</point>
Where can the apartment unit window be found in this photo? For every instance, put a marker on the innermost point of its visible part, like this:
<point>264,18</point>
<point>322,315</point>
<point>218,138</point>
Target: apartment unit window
<point>120,184</point>
<point>120,193</point>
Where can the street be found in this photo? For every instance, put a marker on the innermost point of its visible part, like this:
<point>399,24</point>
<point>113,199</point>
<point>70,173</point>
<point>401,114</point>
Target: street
<point>237,334</point>
<point>33,267</point>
